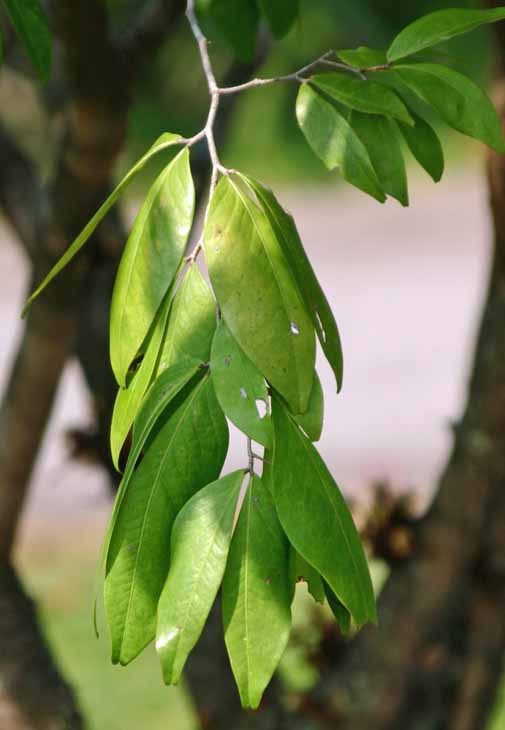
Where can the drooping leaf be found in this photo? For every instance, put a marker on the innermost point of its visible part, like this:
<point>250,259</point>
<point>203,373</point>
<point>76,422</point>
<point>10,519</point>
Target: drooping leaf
<point>382,139</point>
<point>425,145</point>
<point>281,15</point>
<point>150,260</point>
<point>240,388</point>
<point>363,95</point>
<point>166,140</point>
<point>192,321</point>
<point>316,518</point>
<point>200,542</point>
<point>335,142</point>
<point>258,296</point>
<point>301,268</point>
<point>30,22</point>
<point>312,420</point>
<point>438,27</point>
<point>457,99</point>
<point>236,20</point>
<point>256,595</point>
<point>187,451</point>
<point>163,391</point>
<point>129,399</point>
<point>338,609</point>
<point>301,571</point>
<point>363,57</point>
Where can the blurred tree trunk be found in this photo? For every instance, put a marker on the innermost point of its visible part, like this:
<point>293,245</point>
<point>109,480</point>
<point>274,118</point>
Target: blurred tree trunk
<point>92,90</point>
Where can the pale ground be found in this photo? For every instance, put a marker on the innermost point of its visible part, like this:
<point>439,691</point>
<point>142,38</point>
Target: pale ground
<point>406,286</point>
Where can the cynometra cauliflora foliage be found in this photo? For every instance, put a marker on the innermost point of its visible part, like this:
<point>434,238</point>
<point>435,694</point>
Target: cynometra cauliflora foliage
<point>188,357</point>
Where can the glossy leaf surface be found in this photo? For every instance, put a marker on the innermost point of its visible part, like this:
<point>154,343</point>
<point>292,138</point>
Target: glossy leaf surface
<point>457,99</point>
<point>424,144</point>
<point>256,595</point>
<point>258,296</point>
<point>316,518</point>
<point>200,542</point>
<point>438,27</point>
<point>313,295</point>
<point>192,321</point>
<point>150,261</point>
<point>164,390</point>
<point>128,399</point>
<point>281,15</point>
<point>187,452</point>
<point>363,96</point>
<point>166,140</point>
<point>382,139</point>
<point>30,22</point>
<point>240,388</point>
<point>335,142</point>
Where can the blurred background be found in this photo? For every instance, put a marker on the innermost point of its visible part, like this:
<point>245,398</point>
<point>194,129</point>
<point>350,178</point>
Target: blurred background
<point>407,287</point>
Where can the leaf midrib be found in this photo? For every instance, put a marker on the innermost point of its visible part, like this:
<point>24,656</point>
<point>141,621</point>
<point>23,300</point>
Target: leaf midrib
<point>246,206</point>
<point>154,487</point>
<point>343,532</point>
<point>140,236</point>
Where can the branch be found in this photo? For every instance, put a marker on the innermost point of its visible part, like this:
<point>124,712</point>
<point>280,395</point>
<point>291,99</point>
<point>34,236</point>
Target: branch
<point>298,76</point>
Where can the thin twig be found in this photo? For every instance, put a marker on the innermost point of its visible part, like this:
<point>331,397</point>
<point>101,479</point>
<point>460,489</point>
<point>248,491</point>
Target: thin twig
<point>214,92</point>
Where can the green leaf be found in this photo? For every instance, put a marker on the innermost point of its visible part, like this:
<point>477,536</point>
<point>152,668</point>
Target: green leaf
<point>192,321</point>
<point>187,451</point>
<point>162,392</point>
<point>301,571</point>
<point>256,595</point>
<point>312,293</point>
<point>312,420</point>
<point>129,399</point>
<point>425,145</point>
<point>258,296</point>
<point>236,20</point>
<point>30,22</point>
<point>460,102</point>
<point>382,139</point>
<point>438,27</point>
<point>200,542</point>
<point>150,261</point>
<point>338,609</point>
<point>162,143</point>
<point>240,388</point>
<point>335,142</point>
<point>363,95</point>
<point>281,15</point>
<point>363,57</point>
<point>316,518</point>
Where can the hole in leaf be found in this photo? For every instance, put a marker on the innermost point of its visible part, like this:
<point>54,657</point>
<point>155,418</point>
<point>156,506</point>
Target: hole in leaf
<point>294,328</point>
<point>262,408</point>
<point>243,393</point>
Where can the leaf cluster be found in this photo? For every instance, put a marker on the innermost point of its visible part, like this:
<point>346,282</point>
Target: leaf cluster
<point>191,354</point>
